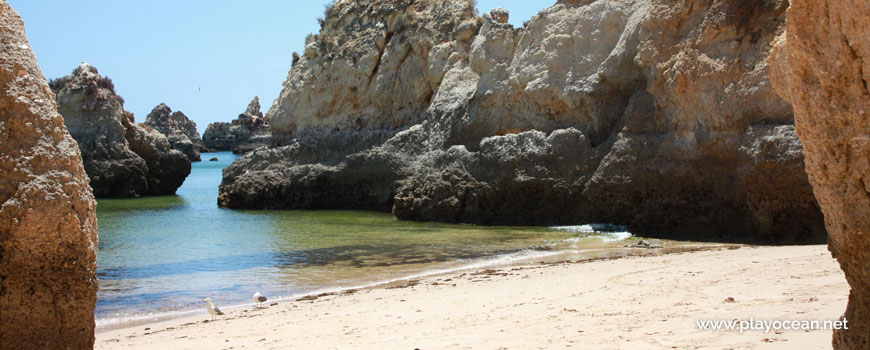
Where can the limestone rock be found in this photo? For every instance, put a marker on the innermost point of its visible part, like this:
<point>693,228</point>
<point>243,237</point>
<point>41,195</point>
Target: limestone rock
<point>122,158</point>
<point>178,129</point>
<point>48,224</point>
<point>707,143</point>
<point>653,114</point>
<point>370,73</point>
<point>246,133</point>
<point>500,15</point>
<point>822,66</point>
<point>254,110</point>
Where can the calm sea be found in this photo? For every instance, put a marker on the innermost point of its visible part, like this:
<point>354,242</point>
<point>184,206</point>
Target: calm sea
<point>160,256</point>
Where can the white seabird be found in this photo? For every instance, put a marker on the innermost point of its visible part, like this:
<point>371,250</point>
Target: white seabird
<point>213,310</point>
<point>259,298</point>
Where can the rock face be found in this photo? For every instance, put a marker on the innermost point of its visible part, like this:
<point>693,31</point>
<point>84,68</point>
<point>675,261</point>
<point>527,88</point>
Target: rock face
<point>178,129</point>
<point>48,224</point>
<point>822,66</point>
<point>246,133</point>
<point>122,158</point>
<point>594,111</point>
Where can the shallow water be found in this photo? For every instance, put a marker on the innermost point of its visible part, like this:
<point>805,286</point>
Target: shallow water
<point>160,256</point>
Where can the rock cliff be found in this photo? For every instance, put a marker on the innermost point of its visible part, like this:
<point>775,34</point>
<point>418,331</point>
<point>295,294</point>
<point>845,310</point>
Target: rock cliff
<point>179,131</point>
<point>246,133</point>
<point>654,114</point>
<point>48,224</point>
<point>122,158</point>
<point>822,66</point>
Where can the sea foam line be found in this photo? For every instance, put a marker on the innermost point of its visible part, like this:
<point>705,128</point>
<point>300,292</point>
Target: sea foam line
<point>607,232</point>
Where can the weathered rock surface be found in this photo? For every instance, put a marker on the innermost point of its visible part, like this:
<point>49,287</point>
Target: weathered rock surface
<point>370,73</point>
<point>179,130</point>
<point>246,133</point>
<point>653,114</point>
<point>122,158</point>
<point>48,225</point>
<point>822,66</point>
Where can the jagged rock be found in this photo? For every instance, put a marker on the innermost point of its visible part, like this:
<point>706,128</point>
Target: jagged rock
<point>48,223</point>
<point>246,133</point>
<point>122,158</point>
<point>178,129</point>
<point>253,110</point>
<point>500,15</point>
<point>595,111</point>
<point>370,73</point>
<point>822,66</point>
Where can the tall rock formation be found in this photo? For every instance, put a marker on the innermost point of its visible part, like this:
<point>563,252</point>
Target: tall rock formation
<point>48,224</point>
<point>246,133</point>
<point>593,111</point>
<point>122,158</point>
<point>822,66</point>
<point>178,129</point>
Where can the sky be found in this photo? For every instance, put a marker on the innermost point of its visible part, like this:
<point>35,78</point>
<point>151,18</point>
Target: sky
<point>207,59</point>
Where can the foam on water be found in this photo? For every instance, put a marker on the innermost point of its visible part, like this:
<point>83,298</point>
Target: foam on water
<point>607,232</point>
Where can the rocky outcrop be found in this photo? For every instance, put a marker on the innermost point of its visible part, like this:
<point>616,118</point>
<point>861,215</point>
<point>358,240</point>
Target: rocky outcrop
<point>594,111</point>
<point>48,224</point>
<point>122,158</point>
<point>246,133</point>
<point>179,131</point>
<point>822,66</point>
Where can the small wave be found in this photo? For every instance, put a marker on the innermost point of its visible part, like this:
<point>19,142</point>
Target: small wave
<point>607,232</point>
<point>121,321</point>
<point>616,236</point>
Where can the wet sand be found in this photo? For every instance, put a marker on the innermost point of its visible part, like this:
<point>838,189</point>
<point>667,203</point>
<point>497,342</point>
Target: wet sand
<point>643,302</point>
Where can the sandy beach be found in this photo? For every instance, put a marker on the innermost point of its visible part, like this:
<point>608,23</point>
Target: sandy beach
<point>648,302</point>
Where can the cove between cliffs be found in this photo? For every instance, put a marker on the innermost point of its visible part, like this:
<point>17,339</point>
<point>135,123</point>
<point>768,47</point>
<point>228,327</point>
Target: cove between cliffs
<point>160,256</point>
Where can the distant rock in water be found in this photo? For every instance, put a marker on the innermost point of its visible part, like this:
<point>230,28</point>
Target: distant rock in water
<point>213,159</point>
<point>122,158</point>
<point>179,130</point>
<point>246,133</point>
<point>643,113</point>
<point>48,222</point>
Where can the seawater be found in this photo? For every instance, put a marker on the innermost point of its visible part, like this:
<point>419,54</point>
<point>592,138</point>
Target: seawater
<point>160,256</point>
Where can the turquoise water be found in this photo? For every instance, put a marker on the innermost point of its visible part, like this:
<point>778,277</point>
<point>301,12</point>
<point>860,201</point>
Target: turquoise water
<point>160,256</point>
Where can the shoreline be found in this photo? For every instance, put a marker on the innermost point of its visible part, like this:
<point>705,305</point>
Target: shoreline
<point>536,303</point>
<point>522,258</point>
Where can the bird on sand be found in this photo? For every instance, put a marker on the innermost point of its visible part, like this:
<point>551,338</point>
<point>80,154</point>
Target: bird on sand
<point>259,298</point>
<point>213,310</point>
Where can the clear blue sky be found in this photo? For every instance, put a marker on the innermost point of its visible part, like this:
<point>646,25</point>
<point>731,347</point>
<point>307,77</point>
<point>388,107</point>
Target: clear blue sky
<point>205,58</point>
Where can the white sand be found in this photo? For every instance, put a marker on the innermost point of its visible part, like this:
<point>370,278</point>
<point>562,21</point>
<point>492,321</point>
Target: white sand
<point>631,303</point>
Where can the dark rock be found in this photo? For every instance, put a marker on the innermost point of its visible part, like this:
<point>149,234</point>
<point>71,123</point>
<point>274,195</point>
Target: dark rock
<point>178,129</point>
<point>214,159</point>
<point>48,223</point>
<point>122,158</point>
